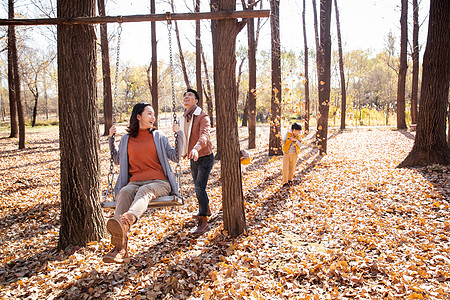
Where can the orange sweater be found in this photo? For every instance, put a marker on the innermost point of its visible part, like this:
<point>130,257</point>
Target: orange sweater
<point>142,158</point>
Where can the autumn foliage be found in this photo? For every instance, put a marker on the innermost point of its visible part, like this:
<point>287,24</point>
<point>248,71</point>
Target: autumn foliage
<point>353,226</point>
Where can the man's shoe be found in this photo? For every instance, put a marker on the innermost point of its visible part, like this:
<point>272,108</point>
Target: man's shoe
<point>208,214</point>
<point>202,225</point>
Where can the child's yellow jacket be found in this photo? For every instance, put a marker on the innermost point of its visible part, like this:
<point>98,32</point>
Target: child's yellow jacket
<point>288,142</point>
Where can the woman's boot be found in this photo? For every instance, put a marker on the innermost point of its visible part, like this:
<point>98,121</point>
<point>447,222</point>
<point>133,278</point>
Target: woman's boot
<point>118,255</point>
<point>118,228</point>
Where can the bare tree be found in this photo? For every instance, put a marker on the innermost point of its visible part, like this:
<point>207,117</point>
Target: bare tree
<point>81,215</point>
<point>307,105</point>
<point>11,85</point>
<point>275,103</point>
<point>238,82</point>
<point>207,91</point>
<point>180,50</point>
<point>430,145</point>
<point>415,58</point>
<point>13,61</point>
<point>224,34</point>
<point>198,58</point>
<point>106,71</point>
<point>251,94</point>
<point>341,69</point>
<point>401,123</point>
<point>324,59</point>
<point>154,65</point>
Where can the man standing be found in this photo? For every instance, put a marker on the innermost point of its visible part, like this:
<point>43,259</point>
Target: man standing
<point>196,126</point>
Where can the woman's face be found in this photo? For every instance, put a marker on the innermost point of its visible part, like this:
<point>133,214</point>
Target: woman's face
<point>146,118</point>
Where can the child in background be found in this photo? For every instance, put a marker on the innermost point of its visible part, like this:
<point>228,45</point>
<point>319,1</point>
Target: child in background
<point>291,148</point>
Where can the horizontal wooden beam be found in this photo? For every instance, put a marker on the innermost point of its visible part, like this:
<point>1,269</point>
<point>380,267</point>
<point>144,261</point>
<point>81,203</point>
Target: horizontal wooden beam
<point>244,14</point>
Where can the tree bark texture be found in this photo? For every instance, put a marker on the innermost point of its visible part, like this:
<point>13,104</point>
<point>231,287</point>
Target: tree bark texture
<point>324,74</point>
<point>81,216</point>
<point>198,58</point>
<point>238,83</point>
<point>305,39</point>
<point>224,34</point>
<point>316,35</point>
<point>251,104</point>
<point>106,71</point>
<point>430,145</point>
<point>341,69</point>
<point>401,123</point>
<point>415,58</point>
<point>35,92</point>
<point>12,46</point>
<point>154,64</point>
<point>207,91</point>
<point>11,89</point>
<point>275,103</point>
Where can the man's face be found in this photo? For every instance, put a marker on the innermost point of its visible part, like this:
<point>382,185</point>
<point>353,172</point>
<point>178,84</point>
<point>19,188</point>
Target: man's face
<point>189,100</point>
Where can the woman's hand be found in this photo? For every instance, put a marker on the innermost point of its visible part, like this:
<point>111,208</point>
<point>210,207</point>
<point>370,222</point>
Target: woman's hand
<point>176,127</point>
<point>112,130</point>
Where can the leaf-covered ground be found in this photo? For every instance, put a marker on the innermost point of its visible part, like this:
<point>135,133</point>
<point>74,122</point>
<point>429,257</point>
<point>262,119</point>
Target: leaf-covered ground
<point>352,226</point>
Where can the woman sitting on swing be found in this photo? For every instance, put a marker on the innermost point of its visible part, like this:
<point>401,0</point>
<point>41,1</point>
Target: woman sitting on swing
<point>145,174</point>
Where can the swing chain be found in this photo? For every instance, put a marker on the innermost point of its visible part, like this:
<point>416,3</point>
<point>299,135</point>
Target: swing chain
<point>178,167</point>
<point>110,189</point>
<point>116,78</point>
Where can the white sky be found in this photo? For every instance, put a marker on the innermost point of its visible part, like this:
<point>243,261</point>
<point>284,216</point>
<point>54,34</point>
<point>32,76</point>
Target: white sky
<point>364,25</point>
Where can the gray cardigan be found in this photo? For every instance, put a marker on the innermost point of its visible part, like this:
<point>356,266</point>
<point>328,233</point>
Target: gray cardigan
<point>164,150</point>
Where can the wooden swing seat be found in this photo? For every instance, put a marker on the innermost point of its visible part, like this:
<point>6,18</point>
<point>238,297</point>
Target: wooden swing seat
<point>164,201</point>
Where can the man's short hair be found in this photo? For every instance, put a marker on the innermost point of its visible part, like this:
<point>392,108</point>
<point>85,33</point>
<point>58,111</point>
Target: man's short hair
<point>194,92</point>
<point>296,126</point>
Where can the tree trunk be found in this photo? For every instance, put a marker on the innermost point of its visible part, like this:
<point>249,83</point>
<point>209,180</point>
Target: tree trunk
<point>430,145</point>
<point>316,35</point>
<point>11,87</point>
<point>154,65</point>
<point>415,58</point>
<point>16,79</point>
<point>324,74</point>
<point>106,71</point>
<point>36,98</point>
<point>245,112</point>
<point>81,215</point>
<point>307,105</point>
<point>198,58</point>
<point>251,96</point>
<point>208,90</point>
<point>401,123</point>
<point>180,50</point>
<point>224,34</point>
<point>275,103</point>
<point>341,69</point>
<point>238,83</point>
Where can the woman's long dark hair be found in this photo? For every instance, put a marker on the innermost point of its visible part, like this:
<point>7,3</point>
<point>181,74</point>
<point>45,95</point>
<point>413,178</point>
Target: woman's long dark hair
<point>133,126</point>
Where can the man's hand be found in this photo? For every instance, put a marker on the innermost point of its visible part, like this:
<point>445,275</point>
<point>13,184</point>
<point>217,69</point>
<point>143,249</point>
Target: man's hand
<point>193,155</point>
